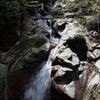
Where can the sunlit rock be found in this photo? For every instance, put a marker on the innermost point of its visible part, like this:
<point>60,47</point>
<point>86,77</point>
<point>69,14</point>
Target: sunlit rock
<point>61,71</point>
<point>68,57</point>
<point>87,80</point>
<point>97,53</point>
<point>60,24</point>
<point>84,65</point>
<point>57,11</point>
<point>97,64</point>
<point>90,55</point>
<point>68,89</point>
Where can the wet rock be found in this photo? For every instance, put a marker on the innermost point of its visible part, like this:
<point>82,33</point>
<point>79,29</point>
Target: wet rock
<point>74,74</point>
<point>24,58</point>
<point>57,11</point>
<point>93,93</point>
<point>83,65</point>
<point>91,55</point>
<point>60,25</point>
<point>70,15</point>
<point>97,46</point>
<point>55,68</point>
<point>97,53</point>
<point>65,89</point>
<point>62,71</point>
<point>69,89</point>
<point>55,95</point>
<point>2,55</point>
<point>17,80</point>
<point>87,80</point>
<point>3,70</point>
<point>97,64</point>
<point>68,57</point>
<point>2,89</point>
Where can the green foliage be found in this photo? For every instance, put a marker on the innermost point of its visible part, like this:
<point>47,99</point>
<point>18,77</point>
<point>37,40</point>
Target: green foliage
<point>9,13</point>
<point>33,4</point>
<point>87,6</point>
<point>95,8</point>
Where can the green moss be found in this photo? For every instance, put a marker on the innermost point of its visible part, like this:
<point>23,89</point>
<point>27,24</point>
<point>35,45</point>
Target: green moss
<point>97,70</point>
<point>9,13</point>
<point>24,45</point>
<point>76,24</point>
<point>39,42</point>
<point>89,58</point>
<point>92,92</point>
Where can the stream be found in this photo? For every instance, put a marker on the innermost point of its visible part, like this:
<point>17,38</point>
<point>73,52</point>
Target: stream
<point>39,88</point>
<point>52,53</point>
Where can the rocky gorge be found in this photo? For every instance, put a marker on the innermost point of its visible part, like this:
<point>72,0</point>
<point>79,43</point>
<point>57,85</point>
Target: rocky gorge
<point>75,68</point>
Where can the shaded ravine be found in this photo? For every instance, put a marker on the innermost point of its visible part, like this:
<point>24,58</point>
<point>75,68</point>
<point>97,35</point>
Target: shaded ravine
<point>28,77</point>
<point>39,87</point>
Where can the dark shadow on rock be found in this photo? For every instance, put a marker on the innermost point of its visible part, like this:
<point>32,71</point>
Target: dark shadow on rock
<point>9,36</point>
<point>55,95</point>
<point>79,46</point>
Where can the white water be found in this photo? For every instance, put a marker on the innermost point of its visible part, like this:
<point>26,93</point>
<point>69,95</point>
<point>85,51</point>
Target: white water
<point>39,87</point>
<point>43,23</point>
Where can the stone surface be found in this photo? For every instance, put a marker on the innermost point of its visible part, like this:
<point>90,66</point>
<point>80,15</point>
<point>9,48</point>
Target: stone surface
<point>76,65</point>
<point>24,58</point>
<point>97,64</point>
<point>88,79</point>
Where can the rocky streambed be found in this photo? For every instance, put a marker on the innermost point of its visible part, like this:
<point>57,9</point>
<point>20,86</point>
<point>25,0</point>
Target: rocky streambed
<point>75,67</point>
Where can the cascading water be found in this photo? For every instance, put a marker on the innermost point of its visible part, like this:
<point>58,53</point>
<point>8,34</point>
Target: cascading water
<point>43,24</point>
<point>38,88</point>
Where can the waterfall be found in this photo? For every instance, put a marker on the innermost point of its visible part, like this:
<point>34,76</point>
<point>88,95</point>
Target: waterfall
<point>37,88</point>
<point>44,24</point>
<point>39,85</point>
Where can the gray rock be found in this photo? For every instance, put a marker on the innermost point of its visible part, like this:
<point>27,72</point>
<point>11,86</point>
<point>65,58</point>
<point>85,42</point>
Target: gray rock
<point>3,70</point>
<point>84,65</point>
<point>67,56</point>
<point>96,52</point>
<point>2,55</point>
<point>97,64</point>
<point>69,89</point>
<point>86,83</point>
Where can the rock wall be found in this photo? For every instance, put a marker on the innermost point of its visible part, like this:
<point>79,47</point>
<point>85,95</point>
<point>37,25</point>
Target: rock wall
<point>76,69</point>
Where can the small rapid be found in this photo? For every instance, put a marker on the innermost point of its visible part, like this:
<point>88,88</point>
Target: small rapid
<point>39,87</point>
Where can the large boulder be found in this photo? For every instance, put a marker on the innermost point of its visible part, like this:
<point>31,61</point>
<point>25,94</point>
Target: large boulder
<point>22,60</point>
<point>87,87</point>
<point>79,57</point>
